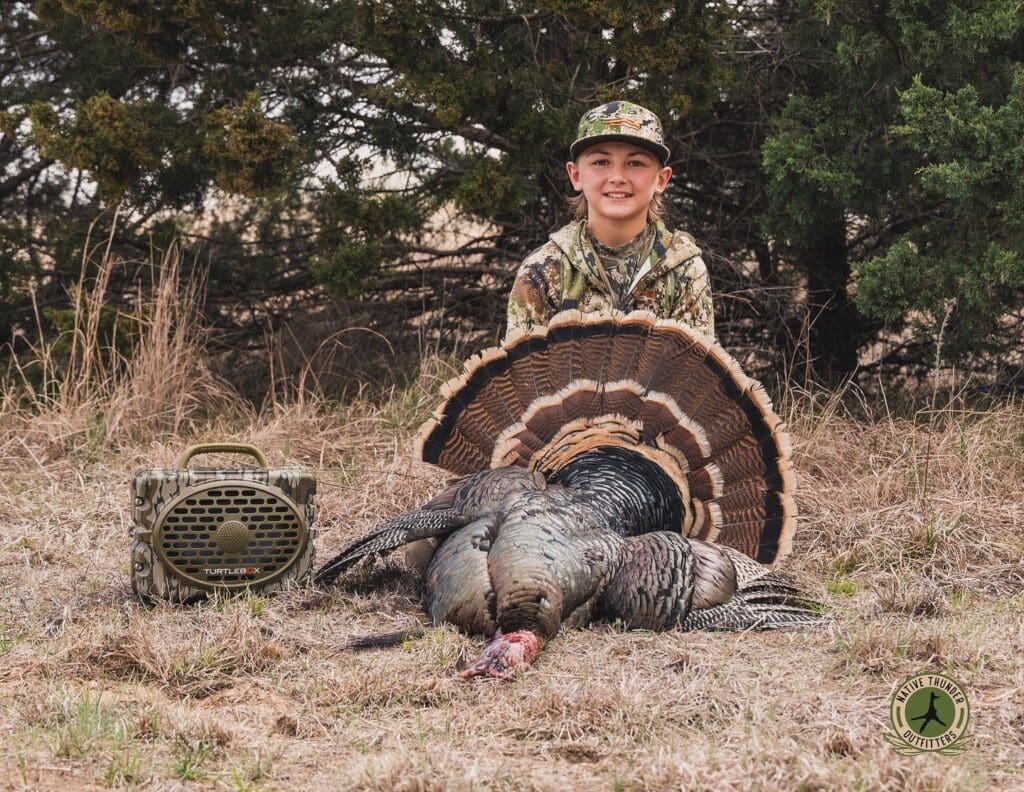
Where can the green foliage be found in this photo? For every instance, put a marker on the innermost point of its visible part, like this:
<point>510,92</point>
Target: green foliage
<point>841,586</point>
<point>489,187</point>
<point>191,754</point>
<point>907,128</point>
<point>964,266</point>
<point>84,724</point>
<point>349,266</point>
<point>815,173</point>
<point>14,268</point>
<point>117,142</point>
<point>250,154</point>
<point>360,233</point>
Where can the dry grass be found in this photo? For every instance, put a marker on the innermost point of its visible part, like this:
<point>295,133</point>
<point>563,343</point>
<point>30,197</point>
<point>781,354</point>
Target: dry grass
<point>911,532</point>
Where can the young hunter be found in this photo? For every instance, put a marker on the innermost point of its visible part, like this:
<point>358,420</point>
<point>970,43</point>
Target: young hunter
<point>617,253</point>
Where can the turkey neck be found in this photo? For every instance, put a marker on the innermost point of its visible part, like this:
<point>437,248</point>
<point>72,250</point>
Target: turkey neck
<point>549,558</point>
<point>554,555</point>
<point>634,494</point>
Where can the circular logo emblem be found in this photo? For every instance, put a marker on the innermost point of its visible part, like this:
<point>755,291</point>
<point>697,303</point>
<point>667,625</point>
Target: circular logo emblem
<point>929,712</point>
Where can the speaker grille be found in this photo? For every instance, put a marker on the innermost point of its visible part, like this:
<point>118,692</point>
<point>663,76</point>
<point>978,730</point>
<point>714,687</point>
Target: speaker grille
<point>230,534</point>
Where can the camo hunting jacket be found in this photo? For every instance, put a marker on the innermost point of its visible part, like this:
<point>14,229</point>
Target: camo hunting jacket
<point>565,273</point>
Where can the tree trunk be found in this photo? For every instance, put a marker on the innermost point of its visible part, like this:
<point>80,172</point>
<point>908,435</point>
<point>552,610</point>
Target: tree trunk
<point>837,327</point>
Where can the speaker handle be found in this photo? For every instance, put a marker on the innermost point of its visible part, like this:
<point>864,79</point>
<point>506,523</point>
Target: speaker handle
<point>223,448</point>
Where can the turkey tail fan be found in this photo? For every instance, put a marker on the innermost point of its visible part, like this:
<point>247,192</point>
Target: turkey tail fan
<point>633,380</point>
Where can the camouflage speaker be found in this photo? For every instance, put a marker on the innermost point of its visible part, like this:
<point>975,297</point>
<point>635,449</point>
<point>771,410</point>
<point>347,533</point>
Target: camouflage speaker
<point>198,530</point>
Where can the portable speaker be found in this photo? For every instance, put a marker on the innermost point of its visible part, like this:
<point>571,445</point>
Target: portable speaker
<point>199,530</point>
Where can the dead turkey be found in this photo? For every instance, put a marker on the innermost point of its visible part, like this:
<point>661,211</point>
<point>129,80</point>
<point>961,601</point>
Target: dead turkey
<point>616,466</point>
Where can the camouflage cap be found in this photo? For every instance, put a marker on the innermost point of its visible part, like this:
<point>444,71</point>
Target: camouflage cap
<point>622,122</point>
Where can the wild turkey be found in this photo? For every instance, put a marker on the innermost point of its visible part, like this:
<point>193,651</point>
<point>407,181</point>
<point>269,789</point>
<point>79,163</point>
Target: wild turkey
<point>617,466</point>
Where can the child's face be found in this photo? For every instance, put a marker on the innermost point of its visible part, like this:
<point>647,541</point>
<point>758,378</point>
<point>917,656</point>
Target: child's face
<point>618,180</point>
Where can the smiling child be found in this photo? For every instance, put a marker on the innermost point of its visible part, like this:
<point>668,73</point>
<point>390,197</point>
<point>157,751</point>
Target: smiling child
<point>618,252</point>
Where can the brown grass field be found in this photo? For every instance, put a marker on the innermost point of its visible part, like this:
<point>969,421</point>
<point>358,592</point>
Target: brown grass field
<point>911,533</point>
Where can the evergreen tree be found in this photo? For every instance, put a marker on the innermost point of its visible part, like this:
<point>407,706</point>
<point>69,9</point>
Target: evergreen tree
<point>897,165</point>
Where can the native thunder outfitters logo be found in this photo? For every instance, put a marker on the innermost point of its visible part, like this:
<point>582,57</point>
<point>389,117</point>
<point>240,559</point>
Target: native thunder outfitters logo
<point>930,714</point>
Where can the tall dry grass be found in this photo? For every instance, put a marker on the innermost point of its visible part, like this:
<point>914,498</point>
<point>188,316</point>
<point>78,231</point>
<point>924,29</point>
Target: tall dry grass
<point>152,383</point>
<point>148,379</point>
